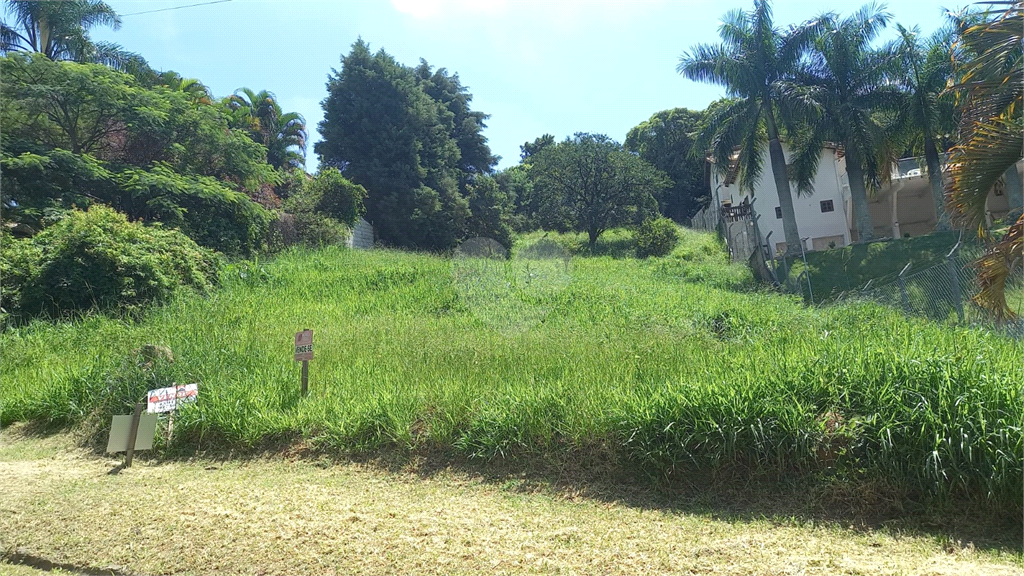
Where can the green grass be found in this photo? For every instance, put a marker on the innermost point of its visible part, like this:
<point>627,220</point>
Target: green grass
<point>670,365</point>
<point>851,267</point>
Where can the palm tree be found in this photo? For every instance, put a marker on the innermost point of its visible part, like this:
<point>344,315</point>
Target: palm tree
<point>850,83</point>
<point>927,112</point>
<point>284,134</point>
<point>990,63</point>
<point>193,88</point>
<point>287,145</point>
<point>60,30</point>
<point>754,63</point>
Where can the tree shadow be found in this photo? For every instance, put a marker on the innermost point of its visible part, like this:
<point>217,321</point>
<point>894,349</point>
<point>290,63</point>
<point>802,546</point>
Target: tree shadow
<point>728,495</point>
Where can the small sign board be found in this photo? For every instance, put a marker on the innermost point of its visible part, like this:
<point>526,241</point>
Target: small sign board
<point>304,345</point>
<point>121,427</point>
<point>168,399</point>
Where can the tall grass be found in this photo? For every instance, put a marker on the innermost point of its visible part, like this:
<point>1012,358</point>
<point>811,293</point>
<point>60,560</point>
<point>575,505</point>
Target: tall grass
<point>673,364</point>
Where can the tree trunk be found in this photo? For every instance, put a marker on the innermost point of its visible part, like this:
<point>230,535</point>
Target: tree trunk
<point>931,156</point>
<point>855,174</point>
<point>779,173</point>
<point>593,234</point>
<point>782,188</point>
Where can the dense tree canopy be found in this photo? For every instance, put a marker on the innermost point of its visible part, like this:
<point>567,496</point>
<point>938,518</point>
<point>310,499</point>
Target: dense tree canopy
<point>408,136</point>
<point>528,149</point>
<point>666,142</point>
<point>589,183</point>
<point>77,134</point>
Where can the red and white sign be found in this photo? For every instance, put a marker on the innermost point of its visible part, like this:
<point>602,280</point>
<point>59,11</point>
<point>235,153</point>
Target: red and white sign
<point>304,345</point>
<point>167,399</point>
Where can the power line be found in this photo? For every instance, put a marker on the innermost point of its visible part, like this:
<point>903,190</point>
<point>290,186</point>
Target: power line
<point>175,8</point>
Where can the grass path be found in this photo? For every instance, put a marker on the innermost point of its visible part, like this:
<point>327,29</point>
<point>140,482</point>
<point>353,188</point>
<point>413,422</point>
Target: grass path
<point>279,517</point>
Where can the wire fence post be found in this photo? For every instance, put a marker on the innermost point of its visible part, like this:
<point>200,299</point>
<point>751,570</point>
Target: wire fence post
<point>957,296</point>
<point>903,289</point>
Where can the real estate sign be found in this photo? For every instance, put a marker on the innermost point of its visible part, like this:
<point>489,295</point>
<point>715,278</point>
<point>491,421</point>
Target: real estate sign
<point>168,399</point>
<point>304,345</point>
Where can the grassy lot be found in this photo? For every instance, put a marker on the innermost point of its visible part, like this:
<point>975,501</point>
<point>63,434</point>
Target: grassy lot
<point>669,366</point>
<point>850,267</point>
<point>275,516</point>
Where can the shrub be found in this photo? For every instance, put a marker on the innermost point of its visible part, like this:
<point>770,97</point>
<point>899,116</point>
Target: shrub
<point>100,260</point>
<point>311,229</point>
<point>329,194</point>
<point>336,196</point>
<point>656,238</point>
<point>319,211</point>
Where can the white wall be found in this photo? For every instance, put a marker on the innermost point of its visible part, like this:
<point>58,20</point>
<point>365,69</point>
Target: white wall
<point>811,221</point>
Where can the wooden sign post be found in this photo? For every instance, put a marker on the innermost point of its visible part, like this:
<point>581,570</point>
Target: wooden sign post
<point>133,434</point>
<point>304,352</point>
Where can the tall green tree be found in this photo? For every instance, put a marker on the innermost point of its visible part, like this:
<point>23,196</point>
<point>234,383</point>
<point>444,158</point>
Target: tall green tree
<point>755,63</point>
<point>83,109</point>
<point>927,112</point>
<point>589,183</point>
<point>492,207</point>
<point>990,91</point>
<point>850,82</point>
<point>666,142</point>
<point>529,149</point>
<point>60,30</point>
<point>408,136</point>
<point>467,125</point>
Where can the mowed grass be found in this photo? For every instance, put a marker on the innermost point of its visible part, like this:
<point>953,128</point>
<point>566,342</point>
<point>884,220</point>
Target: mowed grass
<point>275,516</point>
<point>672,366</point>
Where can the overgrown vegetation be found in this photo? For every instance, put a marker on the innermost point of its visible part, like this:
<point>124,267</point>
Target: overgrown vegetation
<point>76,135</point>
<point>99,260</point>
<point>645,359</point>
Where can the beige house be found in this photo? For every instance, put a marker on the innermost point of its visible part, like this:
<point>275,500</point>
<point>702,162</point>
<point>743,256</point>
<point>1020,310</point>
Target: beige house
<point>903,206</point>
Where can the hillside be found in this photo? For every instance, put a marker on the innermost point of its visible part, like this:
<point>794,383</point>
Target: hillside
<point>664,365</point>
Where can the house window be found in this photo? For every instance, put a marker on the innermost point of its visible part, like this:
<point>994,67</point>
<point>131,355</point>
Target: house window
<point>827,206</point>
<point>778,212</point>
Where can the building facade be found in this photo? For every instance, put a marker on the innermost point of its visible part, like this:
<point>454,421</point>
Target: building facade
<point>901,207</point>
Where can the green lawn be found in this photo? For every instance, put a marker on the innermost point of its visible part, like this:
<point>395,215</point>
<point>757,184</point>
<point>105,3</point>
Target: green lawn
<point>667,365</point>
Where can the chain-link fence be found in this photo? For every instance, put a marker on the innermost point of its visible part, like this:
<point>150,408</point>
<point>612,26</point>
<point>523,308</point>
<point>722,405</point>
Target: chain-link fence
<point>943,291</point>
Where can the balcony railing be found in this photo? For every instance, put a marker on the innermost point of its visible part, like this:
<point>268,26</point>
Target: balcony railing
<point>734,213</point>
<point>914,167</point>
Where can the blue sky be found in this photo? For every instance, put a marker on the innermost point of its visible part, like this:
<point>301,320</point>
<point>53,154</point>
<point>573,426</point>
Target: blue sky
<point>555,67</point>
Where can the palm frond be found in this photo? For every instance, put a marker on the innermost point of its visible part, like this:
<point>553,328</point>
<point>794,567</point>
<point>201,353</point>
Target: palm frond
<point>977,164</point>
<point>994,269</point>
